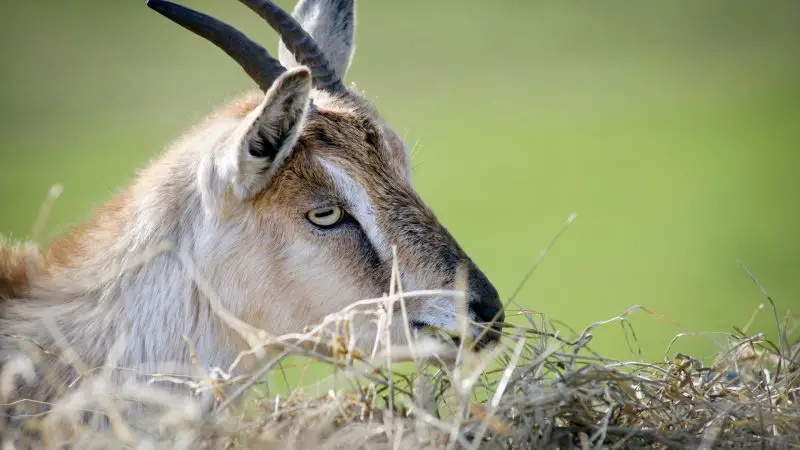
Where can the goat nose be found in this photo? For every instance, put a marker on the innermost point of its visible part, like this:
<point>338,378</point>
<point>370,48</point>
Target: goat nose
<point>490,316</point>
<point>488,310</point>
<point>484,301</point>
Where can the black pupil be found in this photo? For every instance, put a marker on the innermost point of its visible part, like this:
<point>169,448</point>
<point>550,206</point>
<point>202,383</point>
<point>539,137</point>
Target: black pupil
<point>324,213</point>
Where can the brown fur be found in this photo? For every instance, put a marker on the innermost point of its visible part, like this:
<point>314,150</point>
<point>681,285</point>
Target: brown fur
<point>240,217</point>
<point>14,263</point>
<point>344,132</point>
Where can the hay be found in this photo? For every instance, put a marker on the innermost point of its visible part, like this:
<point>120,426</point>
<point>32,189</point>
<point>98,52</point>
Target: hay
<point>536,390</point>
<point>539,388</point>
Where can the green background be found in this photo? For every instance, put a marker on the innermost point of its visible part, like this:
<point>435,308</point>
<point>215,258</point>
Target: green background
<point>670,128</point>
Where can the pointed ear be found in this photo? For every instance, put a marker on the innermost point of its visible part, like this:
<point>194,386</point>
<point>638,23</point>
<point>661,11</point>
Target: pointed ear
<point>266,137</point>
<point>332,25</point>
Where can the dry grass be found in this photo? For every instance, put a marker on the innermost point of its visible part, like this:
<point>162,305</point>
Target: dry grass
<point>536,390</point>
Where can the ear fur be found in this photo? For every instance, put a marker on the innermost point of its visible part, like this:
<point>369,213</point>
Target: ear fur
<point>267,136</point>
<point>332,25</point>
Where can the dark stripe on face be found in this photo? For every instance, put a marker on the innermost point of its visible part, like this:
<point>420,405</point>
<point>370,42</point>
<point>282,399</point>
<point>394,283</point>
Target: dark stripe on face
<point>367,256</point>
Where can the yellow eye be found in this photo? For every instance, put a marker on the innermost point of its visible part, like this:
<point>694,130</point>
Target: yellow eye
<point>325,217</point>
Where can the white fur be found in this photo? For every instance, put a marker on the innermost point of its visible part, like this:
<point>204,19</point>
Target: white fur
<point>332,25</point>
<point>361,206</point>
<point>267,273</point>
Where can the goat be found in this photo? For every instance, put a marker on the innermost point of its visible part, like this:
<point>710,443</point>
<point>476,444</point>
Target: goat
<point>288,201</point>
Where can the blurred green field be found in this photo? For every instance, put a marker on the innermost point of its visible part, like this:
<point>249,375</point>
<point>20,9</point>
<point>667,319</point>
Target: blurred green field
<point>671,128</point>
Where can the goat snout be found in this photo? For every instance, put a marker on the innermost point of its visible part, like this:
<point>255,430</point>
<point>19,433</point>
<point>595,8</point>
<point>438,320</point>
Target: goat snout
<point>487,308</point>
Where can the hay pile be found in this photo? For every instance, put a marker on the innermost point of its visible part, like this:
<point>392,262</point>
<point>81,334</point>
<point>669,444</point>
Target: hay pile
<point>537,390</point>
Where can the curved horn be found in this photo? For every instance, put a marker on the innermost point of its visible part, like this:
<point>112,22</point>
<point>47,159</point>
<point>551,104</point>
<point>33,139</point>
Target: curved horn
<point>254,59</point>
<point>300,43</point>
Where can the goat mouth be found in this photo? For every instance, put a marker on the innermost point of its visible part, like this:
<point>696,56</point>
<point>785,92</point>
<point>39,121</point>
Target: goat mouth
<point>486,338</point>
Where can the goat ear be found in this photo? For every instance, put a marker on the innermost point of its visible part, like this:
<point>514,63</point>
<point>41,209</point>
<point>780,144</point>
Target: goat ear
<point>332,25</point>
<point>266,137</point>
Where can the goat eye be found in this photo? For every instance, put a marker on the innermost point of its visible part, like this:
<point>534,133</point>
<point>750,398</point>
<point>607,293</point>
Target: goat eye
<point>326,217</point>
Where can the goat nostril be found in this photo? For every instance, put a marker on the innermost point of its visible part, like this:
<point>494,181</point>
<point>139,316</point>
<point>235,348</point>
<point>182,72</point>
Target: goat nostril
<point>488,311</point>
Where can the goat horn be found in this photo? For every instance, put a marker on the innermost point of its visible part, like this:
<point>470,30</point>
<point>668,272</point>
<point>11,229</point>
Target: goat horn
<point>254,59</point>
<point>300,43</point>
